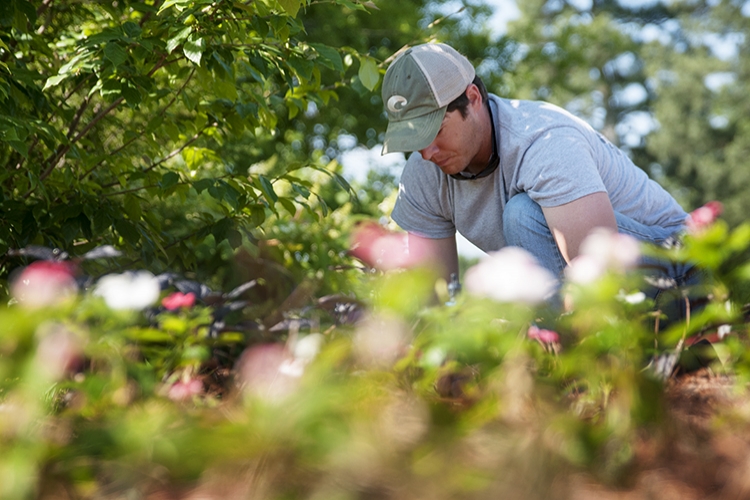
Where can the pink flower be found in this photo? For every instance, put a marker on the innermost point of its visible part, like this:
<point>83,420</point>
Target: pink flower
<point>266,372</point>
<point>44,283</point>
<point>542,335</point>
<point>183,390</point>
<point>385,250</point>
<point>177,300</point>
<point>59,351</point>
<point>703,217</point>
<point>510,275</point>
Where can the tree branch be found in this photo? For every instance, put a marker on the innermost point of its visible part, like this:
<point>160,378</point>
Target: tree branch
<point>61,151</point>
<point>170,155</point>
<point>133,139</point>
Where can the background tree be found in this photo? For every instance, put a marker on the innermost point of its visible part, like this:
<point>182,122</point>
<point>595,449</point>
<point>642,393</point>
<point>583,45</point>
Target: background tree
<point>663,81</point>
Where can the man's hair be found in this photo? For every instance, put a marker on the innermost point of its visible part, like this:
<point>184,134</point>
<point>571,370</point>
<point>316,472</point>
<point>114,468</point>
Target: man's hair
<point>461,102</point>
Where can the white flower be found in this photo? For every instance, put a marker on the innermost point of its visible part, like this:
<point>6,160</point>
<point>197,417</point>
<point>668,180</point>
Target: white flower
<point>616,250</point>
<point>724,330</point>
<point>585,269</point>
<point>306,348</point>
<point>510,275</point>
<point>603,251</point>
<point>131,290</point>
<point>380,339</point>
<point>631,298</point>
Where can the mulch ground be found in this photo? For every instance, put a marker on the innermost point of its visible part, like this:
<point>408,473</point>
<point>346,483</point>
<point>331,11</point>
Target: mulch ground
<point>704,455</point>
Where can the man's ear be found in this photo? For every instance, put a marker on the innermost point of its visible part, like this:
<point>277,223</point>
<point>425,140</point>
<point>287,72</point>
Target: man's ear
<point>475,97</point>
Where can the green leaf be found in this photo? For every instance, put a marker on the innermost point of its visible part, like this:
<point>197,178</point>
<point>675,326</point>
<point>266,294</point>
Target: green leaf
<point>289,206</point>
<point>115,53</point>
<point>202,184</point>
<point>329,56</point>
<point>220,229</point>
<point>20,147</point>
<point>132,207</point>
<point>131,94</point>
<point>341,181</point>
<point>234,238</point>
<point>193,50</point>
<point>148,335</point>
<point>179,37</point>
<point>128,231</point>
<point>267,188</point>
<point>257,215</point>
<point>291,7</point>
<point>302,67</point>
<point>132,29</point>
<point>168,180</point>
<point>301,190</point>
<point>167,4</point>
<point>106,35</point>
<point>53,81</point>
<point>225,90</point>
<point>368,73</point>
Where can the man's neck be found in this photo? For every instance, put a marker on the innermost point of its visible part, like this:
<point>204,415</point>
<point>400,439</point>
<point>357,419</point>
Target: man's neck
<point>484,155</point>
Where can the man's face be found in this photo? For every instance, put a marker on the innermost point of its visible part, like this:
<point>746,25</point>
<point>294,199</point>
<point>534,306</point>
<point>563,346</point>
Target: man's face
<point>456,146</point>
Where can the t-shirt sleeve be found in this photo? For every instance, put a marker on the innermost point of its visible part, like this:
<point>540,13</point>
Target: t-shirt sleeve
<point>559,167</point>
<point>423,203</point>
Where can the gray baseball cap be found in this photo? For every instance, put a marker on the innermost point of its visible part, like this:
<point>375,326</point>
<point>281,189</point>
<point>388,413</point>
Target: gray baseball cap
<point>417,88</point>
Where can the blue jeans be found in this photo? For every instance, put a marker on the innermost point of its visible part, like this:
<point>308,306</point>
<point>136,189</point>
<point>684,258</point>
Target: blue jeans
<point>524,225</point>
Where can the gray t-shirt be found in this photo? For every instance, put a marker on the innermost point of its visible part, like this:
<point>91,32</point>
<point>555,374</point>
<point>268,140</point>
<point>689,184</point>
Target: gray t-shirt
<point>545,152</point>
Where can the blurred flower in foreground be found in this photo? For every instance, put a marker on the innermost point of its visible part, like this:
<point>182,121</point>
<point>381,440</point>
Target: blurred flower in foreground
<point>44,283</point>
<point>542,335</point>
<point>385,250</point>
<point>59,350</point>
<point>306,348</point>
<point>631,298</point>
<point>130,290</point>
<point>603,251</point>
<point>267,371</point>
<point>183,390</point>
<point>177,300</point>
<point>701,218</point>
<point>380,339</point>
<point>510,275</point>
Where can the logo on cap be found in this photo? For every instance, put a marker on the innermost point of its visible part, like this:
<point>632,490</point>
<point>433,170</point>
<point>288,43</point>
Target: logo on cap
<point>396,103</point>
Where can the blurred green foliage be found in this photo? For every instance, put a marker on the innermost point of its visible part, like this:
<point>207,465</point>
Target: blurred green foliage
<point>204,138</point>
<point>404,398</point>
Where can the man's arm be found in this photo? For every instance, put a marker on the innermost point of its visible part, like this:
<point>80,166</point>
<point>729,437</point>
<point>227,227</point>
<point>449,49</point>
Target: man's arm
<point>441,251</point>
<point>572,222</point>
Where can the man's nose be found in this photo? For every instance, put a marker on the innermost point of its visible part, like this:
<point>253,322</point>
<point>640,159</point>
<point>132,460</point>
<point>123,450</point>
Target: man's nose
<point>428,152</point>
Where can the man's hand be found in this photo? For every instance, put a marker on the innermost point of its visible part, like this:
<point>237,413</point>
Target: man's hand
<point>572,222</point>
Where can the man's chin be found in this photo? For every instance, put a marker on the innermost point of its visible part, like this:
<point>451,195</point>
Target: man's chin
<point>451,169</point>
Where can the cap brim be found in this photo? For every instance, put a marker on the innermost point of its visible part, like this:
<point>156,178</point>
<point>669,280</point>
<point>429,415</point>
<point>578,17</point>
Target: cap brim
<point>414,134</point>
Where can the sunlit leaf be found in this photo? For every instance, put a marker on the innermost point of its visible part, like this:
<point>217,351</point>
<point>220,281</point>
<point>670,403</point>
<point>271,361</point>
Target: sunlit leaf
<point>193,50</point>
<point>291,7</point>
<point>368,73</point>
